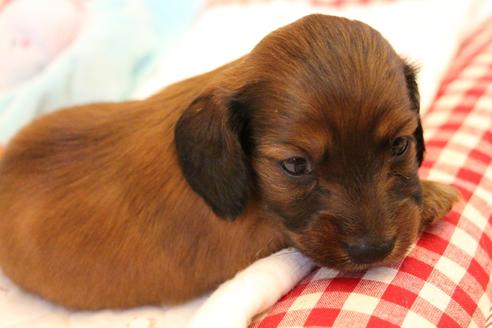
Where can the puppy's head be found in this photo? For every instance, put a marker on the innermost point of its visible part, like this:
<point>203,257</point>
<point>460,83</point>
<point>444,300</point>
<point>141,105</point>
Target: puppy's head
<point>322,129</point>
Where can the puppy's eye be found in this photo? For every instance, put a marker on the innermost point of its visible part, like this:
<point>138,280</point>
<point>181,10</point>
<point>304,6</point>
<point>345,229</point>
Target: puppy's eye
<point>296,166</point>
<point>399,146</point>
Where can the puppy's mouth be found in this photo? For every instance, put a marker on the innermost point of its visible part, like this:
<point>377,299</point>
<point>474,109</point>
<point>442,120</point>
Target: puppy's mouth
<point>328,247</point>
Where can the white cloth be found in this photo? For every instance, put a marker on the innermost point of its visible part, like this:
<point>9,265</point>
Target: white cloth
<point>252,290</point>
<point>233,304</point>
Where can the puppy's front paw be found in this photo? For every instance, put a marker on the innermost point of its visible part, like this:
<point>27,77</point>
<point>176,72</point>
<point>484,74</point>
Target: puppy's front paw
<point>437,201</point>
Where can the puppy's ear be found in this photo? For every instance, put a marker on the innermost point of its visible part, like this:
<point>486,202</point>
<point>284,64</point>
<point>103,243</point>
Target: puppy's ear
<point>208,142</point>
<point>413,93</point>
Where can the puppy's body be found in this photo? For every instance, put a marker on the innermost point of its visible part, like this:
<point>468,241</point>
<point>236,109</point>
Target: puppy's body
<point>118,205</point>
<point>96,213</point>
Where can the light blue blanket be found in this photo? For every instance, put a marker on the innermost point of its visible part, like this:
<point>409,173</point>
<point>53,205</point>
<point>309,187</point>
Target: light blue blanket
<point>117,48</point>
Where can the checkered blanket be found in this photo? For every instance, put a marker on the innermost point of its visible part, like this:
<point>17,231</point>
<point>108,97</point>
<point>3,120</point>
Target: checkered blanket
<point>445,280</point>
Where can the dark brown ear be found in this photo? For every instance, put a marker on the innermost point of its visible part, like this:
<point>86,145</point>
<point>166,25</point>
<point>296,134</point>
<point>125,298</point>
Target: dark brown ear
<point>413,93</point>
<point>208,141</point>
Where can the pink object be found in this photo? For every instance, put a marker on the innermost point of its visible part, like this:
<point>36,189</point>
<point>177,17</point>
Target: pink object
<point>33,33</point>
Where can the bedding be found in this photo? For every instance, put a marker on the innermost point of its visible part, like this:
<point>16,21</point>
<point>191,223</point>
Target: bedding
<point>32,34</point>
<point>445,279</point>
<point>394,19</point>
<point>117,44</point>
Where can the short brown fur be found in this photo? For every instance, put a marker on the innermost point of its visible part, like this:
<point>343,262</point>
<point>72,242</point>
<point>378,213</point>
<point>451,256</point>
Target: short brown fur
<point>160,200</point>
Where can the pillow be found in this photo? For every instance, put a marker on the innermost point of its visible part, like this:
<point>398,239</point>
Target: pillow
<point>444,281</point>
<point>431,42</point>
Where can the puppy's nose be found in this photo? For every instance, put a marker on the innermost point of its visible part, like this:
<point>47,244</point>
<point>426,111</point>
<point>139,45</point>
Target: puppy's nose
<point>364,251</point>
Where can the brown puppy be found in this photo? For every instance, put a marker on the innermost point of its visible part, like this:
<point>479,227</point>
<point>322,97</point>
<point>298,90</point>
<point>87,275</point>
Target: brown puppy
<point>311,140</point>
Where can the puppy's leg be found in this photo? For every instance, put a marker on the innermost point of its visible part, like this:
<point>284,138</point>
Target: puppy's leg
<point>437,201</point>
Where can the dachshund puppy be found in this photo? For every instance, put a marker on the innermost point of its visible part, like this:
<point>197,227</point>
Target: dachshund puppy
<point>311,140</point>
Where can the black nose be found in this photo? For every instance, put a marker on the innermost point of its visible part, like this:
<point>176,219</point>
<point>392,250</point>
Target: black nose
<point>364,251</point>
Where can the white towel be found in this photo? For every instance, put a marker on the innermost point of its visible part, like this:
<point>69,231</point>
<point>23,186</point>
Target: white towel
<point>252,290</point>
<point>233,304</point>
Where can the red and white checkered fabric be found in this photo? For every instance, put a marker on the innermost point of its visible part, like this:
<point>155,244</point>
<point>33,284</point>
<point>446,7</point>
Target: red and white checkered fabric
<point>445,280</point>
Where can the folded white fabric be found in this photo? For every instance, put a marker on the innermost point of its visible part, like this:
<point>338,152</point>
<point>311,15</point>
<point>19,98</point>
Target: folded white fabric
<point>252,290</point>
<point>233,304</point>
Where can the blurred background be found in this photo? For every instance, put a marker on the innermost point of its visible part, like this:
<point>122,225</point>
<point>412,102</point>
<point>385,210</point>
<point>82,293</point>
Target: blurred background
<point>58,53</point>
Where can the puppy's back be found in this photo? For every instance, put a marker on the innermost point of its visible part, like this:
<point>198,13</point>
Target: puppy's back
<point>61,204</point>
